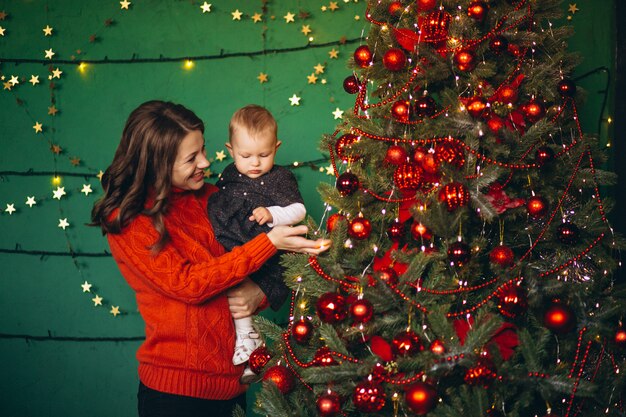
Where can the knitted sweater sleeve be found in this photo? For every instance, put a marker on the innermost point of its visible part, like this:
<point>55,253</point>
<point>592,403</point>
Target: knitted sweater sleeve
<point>177,276</point>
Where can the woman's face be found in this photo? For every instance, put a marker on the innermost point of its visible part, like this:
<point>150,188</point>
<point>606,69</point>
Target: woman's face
<point>188,171</point>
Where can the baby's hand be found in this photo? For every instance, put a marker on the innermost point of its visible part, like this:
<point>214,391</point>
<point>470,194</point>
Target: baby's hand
<point>261,215</point>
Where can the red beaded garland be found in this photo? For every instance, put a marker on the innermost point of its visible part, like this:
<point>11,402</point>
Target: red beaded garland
<point>343,147</point>
<point>328,405</point>
<point>502,255</point>
<point>363,56</point>
<point>282,377</point>
<point>394,59</point>
<point>301,331</point>
<point>360,228</point>
<point>258,359</point>
<point>331,307</point>
<point>405,343</point>
<point>361,311</point>
<point>421,398</point>
<point>369,397</point>
<point>347,183</point>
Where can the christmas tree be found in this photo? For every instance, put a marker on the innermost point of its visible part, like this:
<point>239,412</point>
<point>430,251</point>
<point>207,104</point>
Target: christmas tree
<point>471,269</point>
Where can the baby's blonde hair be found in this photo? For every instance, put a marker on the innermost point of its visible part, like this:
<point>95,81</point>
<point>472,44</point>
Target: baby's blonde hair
<point>255,119</point>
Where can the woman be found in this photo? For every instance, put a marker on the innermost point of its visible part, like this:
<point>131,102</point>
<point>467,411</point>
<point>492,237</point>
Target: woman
<point>154,214</point>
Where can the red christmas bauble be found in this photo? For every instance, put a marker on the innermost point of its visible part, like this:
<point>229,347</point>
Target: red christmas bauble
<point>495,124</point>
<point>435,26</point>
<point>331,307</point>
<point>258,359</point>
<point>476,106</point>
<point>394,59</point>
<point>395,231</point>
<point>369,397</point>
<point>454,195</point>
<point>477,10</point>
<point>301,331</point>
<point>351,84</point>
<point>408,177</point>
<point>533,110</point>
<point>401,110</point>
<point>343,147</point>
<point>281,377</point>
<point>449,152</point>
<point>361,311</point>
<point>568,233</point>
<point>559,318</point>
<point>567,88</point>
<point>323,357</point>
<point>425,106</point>
<point>499,44</point>
<point>465,60</point>
<point>459,253</point>
<point>437,347</point>
<point>405,343</point>
<point>328,405</point>
<point>395,8</point>
<point>420,232</point>
<point>419,154</point>
<point>363,56</point>
<point>421,398</point>
<point>480,375</point>
<point>395,155</point>
<point>426,5</point>
<point>537,207</point>
<point>360,228</point>
<point>512,300</point>
<point>389,276</point>
<point>332,221</point>
<point>347,183</point>
<point>543,155</point>
<point>430,166</point>
<point>502,255</point>
<point>620,338</point>
<point>508,94</point>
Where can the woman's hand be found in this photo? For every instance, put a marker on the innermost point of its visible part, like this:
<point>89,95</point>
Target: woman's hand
<point>244,299</point>
<point>288,238</point>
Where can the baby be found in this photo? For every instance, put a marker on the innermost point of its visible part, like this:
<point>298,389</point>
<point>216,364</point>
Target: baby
<point>254,195</point>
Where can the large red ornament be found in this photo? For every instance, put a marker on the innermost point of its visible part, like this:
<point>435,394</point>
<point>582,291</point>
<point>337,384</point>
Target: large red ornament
<point>301,331</point>
<point>258,359</point>
<point>567,88</point>
<point>459,253</point>
<point>361,311</point>
<point>454,195</point>
<point>420,232</point>
<point>363,56</point>
<point>537,207</point>
<point>435,26</point>
<point>568,233</point>
<point>426,5</point>
<point>543,155</point>
<point>369,397</point>
<point>533,111</point>
<point>394,59</point>
<point>408,177</point>
<point>343,147</point>
<point>476,106</point>
<point>421,398</point>
<point>388,276</point>
<point>360,228</point>
<point>620,338</point>
<point>351,84</point>
<point>347,183</point>
<point>512,300</point>
<point>559,318</point>
<point>395,8</point>
<point>328,405</point>
<point>502,255</point>
<point>395,155</point>
<point>425,106</point>
<point>401,110</point>
<point>405,343</point>
<point>331,307</point>
<point>323,357</point>
<point>332,221</point>
<point>395,231</point>
<point>430,166</point>
<point>480,375</point>
<point>450,152</point>
<point>419,154</point>
<point>477,10</point>
<point>281,377</point>
<point>465,60</point>
<point>499,44</point>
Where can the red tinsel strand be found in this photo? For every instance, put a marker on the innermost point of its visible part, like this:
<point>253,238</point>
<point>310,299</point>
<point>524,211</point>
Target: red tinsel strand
<point>577,382</point>
<point>456,290</point>
<point>484,301</point>
<point>406,298</point>
<point>301,364</point>
<point>402,381</point>
<point>578,345</point>
<point>318,269</point>
<point>290,366</point>
<point>390,200</point>
<point>417,122</point>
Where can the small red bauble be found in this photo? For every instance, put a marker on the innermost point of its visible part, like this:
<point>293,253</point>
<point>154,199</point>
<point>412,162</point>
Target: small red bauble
<point>495,124</point>
<point>369,397</point>
<point>408,177</point>
<point>395,155</point>
<point>437,347</point>
<point>258,359</point>
<point>405,343</point>
<point>419,154</point>
<point>559,318</point>
<point>363,56</point>
<point>389,276</point>
<point>394,59</point>
<point>449,152</point>
<point>567,88</point>
<point>347,183</point>
<point>508,94</point>
<point>332,221</point>
<point>401,109</point>
<point>331,307</point>
<point>420,232</point>
<point>361,311</point>
<point>323,357</point>
<point>480,375</point>
<point>465,60</point>
<point>421,398</point>
<point>454,195</point>
<point>343,147</point>
<point>476,106</point>
<point>351,85</point>
<point>499,44</point>
<point>328,405</point>
<point>568,233</point>
<point>502,255</point>
<point>426,5</point>
<point>301,331</point>
<point>425,106</point>
<point>360,228</point>
<point>620,338</point>
<point>537,207</point>
<point>430,165</point>
<point>281,377</point>
<point>512,300</point>
<point>459,253</point>
<point>543,155</point>
<point>394,8</point>
<point>533,110</point>
<point>477,10</point>
<point>395,231</point>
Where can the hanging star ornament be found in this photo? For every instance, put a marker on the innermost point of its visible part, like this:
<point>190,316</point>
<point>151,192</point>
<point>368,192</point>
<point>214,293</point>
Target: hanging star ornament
<point>319,69</point>
<point>312,79</point>
<point>3,15</point>
<point>262,77</point>
<point>257,17</point>
<point>115,310</point>
<point>333,53</point>
<point>306,29</point>
<point>58,193</point>
<point>34,79</point>
<point>294,100</point>
<point>236,14</point>
<point>86,286</point>
<point>57,73</point>
<point>206,7</point>
<point>572,8</point>
<point>124,4</point>
<point>49,53</point>
<point>330,170</point>
<point>38,127</point>
<point>289,17</point>
<point>47,31</point>
<point>220,155</point>
<point>30,201</point>
<point>97,300</point>
<point>52,110</point>
<point>2,30</point>
<point>10,208</point>
<point>338,113</point>
<point>333,6</point>
<point>14,80</point>
<point>63,223</point>
<point>75,161</point>
<point>86,189</point>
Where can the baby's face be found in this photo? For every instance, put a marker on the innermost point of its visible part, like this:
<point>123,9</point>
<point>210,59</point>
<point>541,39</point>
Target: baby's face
<point>253,155</point>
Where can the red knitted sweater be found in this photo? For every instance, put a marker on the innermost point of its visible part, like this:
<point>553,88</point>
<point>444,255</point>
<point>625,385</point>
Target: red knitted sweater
<point>180,294</point>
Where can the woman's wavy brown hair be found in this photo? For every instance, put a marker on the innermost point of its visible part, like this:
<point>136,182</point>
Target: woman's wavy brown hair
<point>142,165</point>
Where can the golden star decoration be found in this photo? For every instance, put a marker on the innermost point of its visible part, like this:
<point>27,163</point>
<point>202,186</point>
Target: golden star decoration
<point>572,8</point>
<point>86,286</point>
<point>14,80</point>
<point>206,7</point>
<point>124,4</point>
<point>115,310</point>
<point>207,173</point>
<point>220,155</point>
<point>333,6</point>
<point>333,53</point>
<point>75,161</point>
<point>10,208</point>
<point>338,113</point>
<point>312,79</point>
<point>319,69</point>
<point>357,17</point>
<point>2,30</point>
<point>330,170</point>
<point>294,100</point>
<point>49,53</point>
<point>58,193</point>
<point>52,110</point>
<point>262,77</point>
<point>236,15</point>
<point>56,149</point>
<point>7,86</point>
<point>86,189</point>
<point>38,127</point>
<point>34,79</point>
<point>57,73</point>
<point>63,223</point>
<point>324,8</point>
<point>257,17</point>
<point>30,201</point>
<point>97,300</point>
<point>47,31</point>
<point>289,17</point>
<point>100,174</point>
<point>306,29</point>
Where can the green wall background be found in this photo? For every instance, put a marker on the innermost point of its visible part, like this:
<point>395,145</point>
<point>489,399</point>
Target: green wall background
<point>60,355</point>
